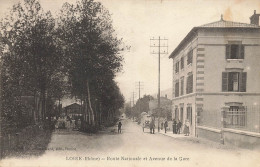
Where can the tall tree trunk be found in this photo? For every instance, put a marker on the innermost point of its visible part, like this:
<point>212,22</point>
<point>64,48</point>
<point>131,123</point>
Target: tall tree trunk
<point>100,114</point>
<point>97,112</point>
<point>34,107</point>
<point>59,109</point>
<point>90,107</point>
<point>108,115</point>
<point>43,104</point>
<point>81,107</point>
<point>83,123</point>
<point>88,121</point>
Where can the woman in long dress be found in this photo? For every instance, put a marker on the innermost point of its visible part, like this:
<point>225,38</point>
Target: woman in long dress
<point>186,130</point>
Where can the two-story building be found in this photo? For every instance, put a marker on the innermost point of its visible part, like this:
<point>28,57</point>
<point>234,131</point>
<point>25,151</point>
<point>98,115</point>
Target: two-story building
<point>216,81</point>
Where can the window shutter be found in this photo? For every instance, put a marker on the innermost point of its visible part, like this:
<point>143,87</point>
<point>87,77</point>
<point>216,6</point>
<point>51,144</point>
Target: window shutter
<point>242,84</point>
<point>228,47</point>
<point>191,83</point>
<point>242,52</point>
<point>224,81</point>
<point>191,115</point>
<point>182,85</point>
<point>187,85</point>
<point>176,89</point>
<point>182,62</point>
<point>191,56</point>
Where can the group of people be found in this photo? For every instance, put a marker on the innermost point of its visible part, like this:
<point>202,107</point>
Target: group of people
<point>177,125</point>
<point>67,123</point>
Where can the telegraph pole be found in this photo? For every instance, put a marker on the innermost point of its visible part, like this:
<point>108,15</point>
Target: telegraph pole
<point>139,85</point>
<point>133,98</point>
<point>157,48</point>
<point>159,69</point>
<point>133,103</point>
<point>139,89</point>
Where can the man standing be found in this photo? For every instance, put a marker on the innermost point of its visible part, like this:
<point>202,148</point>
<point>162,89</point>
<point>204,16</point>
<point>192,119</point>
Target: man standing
<point>119,127</point>
<point>152,126</point>
<point>179,125</point>
<point>174,126</point>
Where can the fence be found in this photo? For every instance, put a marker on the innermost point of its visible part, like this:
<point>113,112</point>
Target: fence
<point>247,118</point>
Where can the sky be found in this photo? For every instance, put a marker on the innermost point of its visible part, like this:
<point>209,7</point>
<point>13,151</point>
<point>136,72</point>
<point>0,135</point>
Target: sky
<point>136,21</point>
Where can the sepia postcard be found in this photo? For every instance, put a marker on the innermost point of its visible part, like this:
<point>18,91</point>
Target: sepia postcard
<point>129,83</point>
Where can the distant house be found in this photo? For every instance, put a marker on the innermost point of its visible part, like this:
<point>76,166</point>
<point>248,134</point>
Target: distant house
<point>73,111</point>
<point>216,81</point>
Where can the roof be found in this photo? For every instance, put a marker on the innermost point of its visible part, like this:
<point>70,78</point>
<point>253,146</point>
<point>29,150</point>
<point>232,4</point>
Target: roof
<point>73,105</point>
<point>218,24</point>
<point>226,24</point>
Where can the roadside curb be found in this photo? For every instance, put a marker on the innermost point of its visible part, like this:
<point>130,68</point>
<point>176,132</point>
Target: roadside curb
<point>195,140</point>
<point>202,141</point>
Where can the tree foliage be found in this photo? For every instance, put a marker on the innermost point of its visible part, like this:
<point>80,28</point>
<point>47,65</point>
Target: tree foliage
<point>44,57</point>
<point>142,105</point>
<point>31,60</point>
<point>92,49</point>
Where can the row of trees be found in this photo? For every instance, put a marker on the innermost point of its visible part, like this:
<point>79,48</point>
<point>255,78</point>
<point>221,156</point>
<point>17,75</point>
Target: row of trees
<point>44,57</point>
<point>142,105</point>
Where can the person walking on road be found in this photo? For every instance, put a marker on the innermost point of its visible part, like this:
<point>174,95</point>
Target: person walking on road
<point>152,126</point>
<point>165,125</point>
<point>119,127</point>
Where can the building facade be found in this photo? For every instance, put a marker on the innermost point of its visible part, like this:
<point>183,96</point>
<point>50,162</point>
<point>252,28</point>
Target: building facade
<point>73,111</point>
<point>216,81</point>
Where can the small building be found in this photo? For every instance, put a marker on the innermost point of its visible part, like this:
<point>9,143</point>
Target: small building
<point>73,111</point>
<point>216,81</point>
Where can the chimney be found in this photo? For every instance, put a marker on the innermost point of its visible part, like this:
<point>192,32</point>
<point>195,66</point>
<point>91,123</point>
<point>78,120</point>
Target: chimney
<point>166,96</point>
<point>254,19</point>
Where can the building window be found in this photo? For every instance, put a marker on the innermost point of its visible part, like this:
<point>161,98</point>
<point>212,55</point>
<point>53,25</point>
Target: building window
<point>189,85</point>
<point>177,67</point>
<point>189,57</point>
<point>182,63</point>
<point>182,85</point>
<point>236,116</point>
<point>177,88</point>
<point>189,114</point>
<point>235,51</point>
<point>176,114</point>
<point>234,81</point>
<point>181,114</point>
